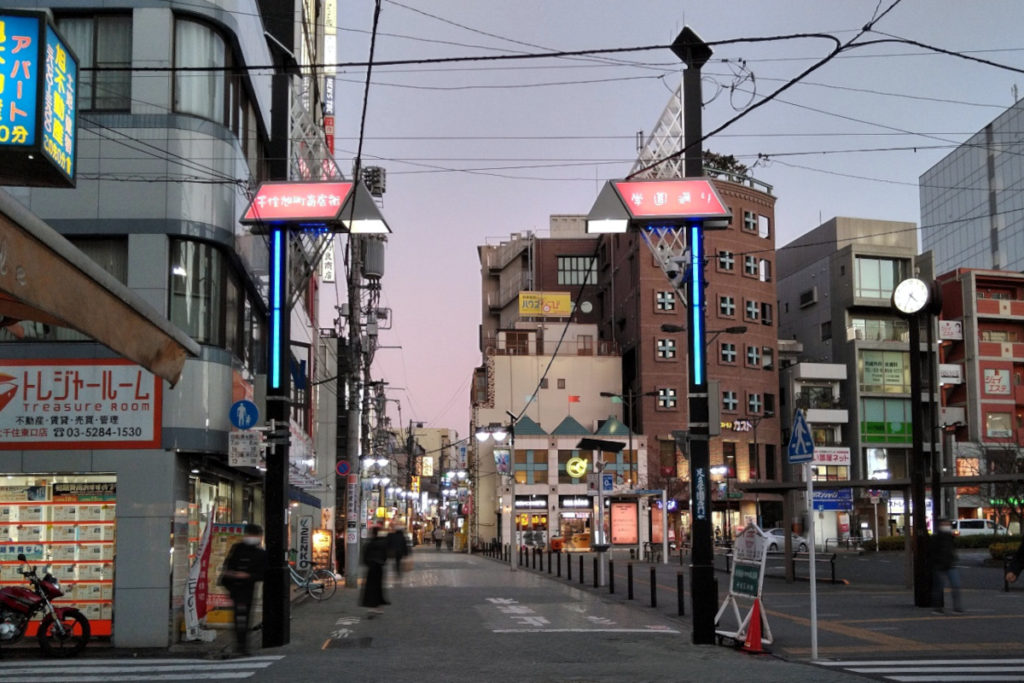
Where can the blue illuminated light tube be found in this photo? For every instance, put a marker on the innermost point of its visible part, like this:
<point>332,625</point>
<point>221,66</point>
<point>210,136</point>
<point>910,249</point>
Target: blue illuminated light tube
<point>697,301</point>
<point>276,277</point>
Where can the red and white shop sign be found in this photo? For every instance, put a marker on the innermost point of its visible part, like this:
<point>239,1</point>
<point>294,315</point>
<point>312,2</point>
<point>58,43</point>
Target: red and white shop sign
<point>80,403</point>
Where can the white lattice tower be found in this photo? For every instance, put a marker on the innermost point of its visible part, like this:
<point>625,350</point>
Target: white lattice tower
<point>666,139</point>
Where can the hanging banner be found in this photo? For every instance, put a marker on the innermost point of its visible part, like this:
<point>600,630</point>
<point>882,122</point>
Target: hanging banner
<point>197,588</point>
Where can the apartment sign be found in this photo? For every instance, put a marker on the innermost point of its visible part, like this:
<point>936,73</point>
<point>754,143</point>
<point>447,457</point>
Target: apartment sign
<point>78,404</point>
<point>836,456</point>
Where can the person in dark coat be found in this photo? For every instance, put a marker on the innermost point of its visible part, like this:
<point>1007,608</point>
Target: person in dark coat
<point>375,556</point>
<point>245,564</point>
<point>943,557</point>
<point>398,548</point>
<point>1016,564</point>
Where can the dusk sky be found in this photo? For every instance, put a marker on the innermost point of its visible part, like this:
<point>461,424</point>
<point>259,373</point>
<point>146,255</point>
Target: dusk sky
<point>477,150</point>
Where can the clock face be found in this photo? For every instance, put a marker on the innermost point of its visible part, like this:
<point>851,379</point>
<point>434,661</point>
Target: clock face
<point>911,295</point>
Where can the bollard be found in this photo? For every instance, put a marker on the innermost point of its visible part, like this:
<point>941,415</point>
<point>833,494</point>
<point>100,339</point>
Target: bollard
<point>595,572</point>
<point>541,553</point>
<point>680,596</point>
<point>629,581</point>
<point>833,563</point>
<point>654,588</point>
<point>549,561</point>
<point>581,570</point>
<point>559,574</point>
<point>611,576</point>
<point>728,562</point>
<point>1006,568</point>
<point>533,564</point>
<point>568,568</point>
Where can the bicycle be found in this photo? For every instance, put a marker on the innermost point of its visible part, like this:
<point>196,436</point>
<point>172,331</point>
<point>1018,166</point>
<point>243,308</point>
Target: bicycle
<point>320,584</point>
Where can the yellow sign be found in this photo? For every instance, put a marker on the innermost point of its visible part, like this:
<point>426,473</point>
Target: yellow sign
<point>540,304</point>
<point>415,484</point>
<point>576,467</point>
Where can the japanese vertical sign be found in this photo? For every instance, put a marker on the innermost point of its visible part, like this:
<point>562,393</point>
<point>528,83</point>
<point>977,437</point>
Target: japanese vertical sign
<point>38,90</point>
<point>55,404</point>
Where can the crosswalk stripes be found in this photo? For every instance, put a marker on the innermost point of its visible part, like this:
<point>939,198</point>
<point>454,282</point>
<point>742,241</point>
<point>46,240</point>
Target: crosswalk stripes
<point>934,670</point>
<point>87,670</point>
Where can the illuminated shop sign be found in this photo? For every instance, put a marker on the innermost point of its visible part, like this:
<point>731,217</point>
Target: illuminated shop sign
<point>78,404</point>
<point>38,103</point>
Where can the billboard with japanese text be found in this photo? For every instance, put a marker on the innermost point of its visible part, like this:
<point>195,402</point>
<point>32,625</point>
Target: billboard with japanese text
<point>38,94</point>
<point>77,404</point>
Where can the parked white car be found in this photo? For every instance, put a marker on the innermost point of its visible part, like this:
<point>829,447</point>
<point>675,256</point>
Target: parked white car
<point>972,527</point>
<point>777,541</point>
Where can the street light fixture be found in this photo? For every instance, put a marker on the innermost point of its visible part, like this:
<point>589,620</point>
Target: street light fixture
<point>499,433</point>
<point>628,398</point>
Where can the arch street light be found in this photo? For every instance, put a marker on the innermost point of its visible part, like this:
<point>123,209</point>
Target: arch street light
<point>503,463</point>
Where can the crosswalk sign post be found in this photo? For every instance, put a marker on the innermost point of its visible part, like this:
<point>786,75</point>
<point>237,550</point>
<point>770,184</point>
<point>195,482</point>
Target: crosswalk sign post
<point>801,450</point>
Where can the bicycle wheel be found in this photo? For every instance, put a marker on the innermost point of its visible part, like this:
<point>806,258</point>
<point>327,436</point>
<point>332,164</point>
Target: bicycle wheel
<point>321,584</point>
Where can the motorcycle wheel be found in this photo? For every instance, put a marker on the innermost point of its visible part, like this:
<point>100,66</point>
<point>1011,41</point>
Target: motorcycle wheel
<point>76,634</point>
<point>322,584</point>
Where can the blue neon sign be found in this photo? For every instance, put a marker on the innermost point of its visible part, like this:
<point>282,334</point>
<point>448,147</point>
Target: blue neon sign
<point>19,82</point>
<point>697,302</point>
<point>276,279</point>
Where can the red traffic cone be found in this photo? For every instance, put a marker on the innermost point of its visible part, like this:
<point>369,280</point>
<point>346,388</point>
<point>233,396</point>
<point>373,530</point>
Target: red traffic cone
<point>753,641</point>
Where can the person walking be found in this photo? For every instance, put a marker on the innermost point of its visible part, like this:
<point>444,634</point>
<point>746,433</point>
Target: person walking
<point>375,556</point>
<point>398,548</point>
<point>943,557</point>
<point>1016,564</point>
<point>245,564</point>
<point>438,537</point>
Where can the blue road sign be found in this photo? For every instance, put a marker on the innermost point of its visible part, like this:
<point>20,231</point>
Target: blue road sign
<point>801,445</point>
<point>607,482</point>
<point>244,414</point>
<point>342,468</point>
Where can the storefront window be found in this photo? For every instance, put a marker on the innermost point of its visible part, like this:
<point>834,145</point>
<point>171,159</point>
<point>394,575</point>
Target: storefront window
<point>884,371</point>
<point>68,522</point>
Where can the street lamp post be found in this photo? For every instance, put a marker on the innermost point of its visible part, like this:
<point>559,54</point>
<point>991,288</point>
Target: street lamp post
<point>628,398</point>
<point>499,434</point>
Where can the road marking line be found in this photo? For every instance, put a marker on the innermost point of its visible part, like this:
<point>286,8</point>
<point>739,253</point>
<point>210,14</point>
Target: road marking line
<point>585,630</point>
<point>932,662</point>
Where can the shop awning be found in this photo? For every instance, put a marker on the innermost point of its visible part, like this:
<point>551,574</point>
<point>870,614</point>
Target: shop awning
<point>44,278</point>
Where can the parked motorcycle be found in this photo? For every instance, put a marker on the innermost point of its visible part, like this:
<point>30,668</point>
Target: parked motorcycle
<point>63,632</point>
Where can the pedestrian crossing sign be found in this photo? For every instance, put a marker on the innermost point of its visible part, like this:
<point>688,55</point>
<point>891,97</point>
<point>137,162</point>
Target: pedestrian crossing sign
<point>801,445</point>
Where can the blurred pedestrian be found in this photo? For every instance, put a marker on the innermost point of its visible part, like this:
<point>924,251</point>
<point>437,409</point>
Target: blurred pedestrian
<point>943,557</point>
<point>245,564</point>
<point>438,537</point>
<point>398,548</point>
<point>375,556</point>
<point>1016,564</point>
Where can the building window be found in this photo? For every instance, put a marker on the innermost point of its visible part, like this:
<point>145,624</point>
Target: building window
<point>203,93</point>
<point>879,329</point>
<point>764,227</point>
<point>754,404</point>
<point>577,270</point>
<point>666,348</point>
<point>750,221</point>
<point>197,290</point>
<point>531,467</point>
<point>665,301</point>
<point>750,266</point>
<point>886,372</point>
<point>886,420</point>
<point>727,306</point>
<point>753,310</point>
<point>753,356</point>
<point>728,351</point>
<point>543,382</point>
<point>667,398</point>
<point>769,461</point>
<point>766,314</point>
<point>104,47</point>
<point>726,261</point>
<point>999,425</point>
<point>826,330</point>
<point>765,270</point>
<point>769,404</point>
<point>729,401</point>
<point>564,456</point>
<point>875,278</point>
<point>561,383</point>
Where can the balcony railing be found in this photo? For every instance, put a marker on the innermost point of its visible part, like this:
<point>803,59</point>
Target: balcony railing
<point>805,402</point>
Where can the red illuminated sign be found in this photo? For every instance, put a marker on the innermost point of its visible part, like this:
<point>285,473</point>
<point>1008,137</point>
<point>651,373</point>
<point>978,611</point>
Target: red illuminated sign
<point>296,202</point>
<point>671,198</point>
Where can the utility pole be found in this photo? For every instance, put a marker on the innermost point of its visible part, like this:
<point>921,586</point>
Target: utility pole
<point>353,520</point>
